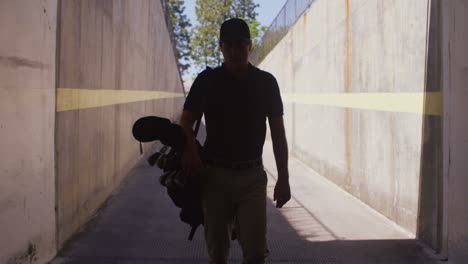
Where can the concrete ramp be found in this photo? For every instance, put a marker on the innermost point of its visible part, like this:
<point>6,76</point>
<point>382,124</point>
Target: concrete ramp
<point>140,224</point>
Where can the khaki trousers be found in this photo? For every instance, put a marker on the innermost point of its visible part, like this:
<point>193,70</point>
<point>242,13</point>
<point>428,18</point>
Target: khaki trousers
<point>235,197</point>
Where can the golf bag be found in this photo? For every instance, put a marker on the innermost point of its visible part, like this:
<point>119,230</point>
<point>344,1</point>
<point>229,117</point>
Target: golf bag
<point>184,191</point>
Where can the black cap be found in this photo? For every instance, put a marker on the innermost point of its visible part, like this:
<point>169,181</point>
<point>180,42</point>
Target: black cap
<point>234,28</point>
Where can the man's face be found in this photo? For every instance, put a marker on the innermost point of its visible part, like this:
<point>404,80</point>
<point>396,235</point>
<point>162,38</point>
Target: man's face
<point>236,51</point>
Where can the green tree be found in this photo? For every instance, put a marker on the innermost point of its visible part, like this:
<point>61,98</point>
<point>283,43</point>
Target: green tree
<point>180,26</point>
<point>205,36</point>
<point>257,31</point>
<point>210,15</point>
<point>245,9</point>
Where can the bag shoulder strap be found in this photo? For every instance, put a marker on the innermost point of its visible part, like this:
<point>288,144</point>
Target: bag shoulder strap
<point>197,126</point>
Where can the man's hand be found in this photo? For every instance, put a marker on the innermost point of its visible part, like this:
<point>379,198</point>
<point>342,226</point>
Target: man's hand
<point>192,164</point>
<point>282,193</point>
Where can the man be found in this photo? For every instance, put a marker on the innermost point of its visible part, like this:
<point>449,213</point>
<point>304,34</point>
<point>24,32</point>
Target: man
<point>236,99</point>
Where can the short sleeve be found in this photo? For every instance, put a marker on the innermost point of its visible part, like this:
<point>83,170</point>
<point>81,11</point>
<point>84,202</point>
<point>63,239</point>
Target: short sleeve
<point>194,99</point>
<point>274,101</point>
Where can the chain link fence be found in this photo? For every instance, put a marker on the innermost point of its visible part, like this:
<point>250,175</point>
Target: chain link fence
<point>285,19</point>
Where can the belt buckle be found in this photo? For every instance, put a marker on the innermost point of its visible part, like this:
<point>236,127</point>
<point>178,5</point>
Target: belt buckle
<point>243,165</point>
<point>236,166</point>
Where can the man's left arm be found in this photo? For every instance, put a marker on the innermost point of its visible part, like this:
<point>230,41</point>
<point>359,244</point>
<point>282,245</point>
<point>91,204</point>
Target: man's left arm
<point>282,192</point>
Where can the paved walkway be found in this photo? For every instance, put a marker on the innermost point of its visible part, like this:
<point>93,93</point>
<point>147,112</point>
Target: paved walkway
<point>322,224</point>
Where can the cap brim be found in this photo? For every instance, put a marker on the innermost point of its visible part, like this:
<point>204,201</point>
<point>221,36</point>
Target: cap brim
<point>236,38</point>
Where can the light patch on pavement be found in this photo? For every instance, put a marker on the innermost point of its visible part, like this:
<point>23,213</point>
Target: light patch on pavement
<point>299,218</point>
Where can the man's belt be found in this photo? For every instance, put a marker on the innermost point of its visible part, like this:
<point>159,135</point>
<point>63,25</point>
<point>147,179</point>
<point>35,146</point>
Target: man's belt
<point>234,165</point>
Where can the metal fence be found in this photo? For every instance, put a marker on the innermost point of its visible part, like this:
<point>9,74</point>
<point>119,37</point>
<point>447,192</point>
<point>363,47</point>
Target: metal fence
<point>285,19</point>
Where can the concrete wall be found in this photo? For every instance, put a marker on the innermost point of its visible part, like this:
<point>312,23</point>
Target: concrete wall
<point>74,76</point>
<point>454,39</point>
<point>27,115</point>
<point>430,212</point>
<point>105,47</point>
<point>375,153</point>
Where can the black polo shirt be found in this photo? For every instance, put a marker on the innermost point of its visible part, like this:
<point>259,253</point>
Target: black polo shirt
<point>235,111</point>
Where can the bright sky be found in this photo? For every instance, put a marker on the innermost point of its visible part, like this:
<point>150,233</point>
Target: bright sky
<point>267,12</point>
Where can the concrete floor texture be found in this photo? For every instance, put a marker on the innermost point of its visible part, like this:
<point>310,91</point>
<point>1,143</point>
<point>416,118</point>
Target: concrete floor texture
<point>321,224</point>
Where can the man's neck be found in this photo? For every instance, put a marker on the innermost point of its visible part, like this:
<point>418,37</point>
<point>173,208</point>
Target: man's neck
<point>238,71</point>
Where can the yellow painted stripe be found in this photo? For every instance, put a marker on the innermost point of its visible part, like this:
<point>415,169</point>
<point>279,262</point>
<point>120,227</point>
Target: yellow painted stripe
<point>73,99</point>
<point>429,103</point>
<point>424,103</point>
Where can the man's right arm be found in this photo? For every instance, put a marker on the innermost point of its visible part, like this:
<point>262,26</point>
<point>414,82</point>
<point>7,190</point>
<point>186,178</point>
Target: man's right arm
<point>193,110</point>
<point>191,160</point>
<point>187,121</point>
